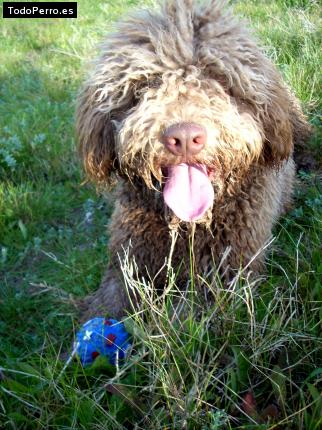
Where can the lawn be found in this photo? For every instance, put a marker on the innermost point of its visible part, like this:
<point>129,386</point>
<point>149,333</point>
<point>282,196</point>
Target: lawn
<point>252,361</point>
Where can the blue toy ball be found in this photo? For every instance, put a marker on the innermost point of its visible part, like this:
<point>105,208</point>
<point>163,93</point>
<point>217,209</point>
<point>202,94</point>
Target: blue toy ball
<point>101,336</point>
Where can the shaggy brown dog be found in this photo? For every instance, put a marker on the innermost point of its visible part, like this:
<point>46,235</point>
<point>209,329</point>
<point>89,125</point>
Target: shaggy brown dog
<point>194,124</point>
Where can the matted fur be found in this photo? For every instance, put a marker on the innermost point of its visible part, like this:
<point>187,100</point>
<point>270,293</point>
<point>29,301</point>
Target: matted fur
<point>187,62</point>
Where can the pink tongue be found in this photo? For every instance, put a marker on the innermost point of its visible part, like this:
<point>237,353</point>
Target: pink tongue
<point>188,191</point>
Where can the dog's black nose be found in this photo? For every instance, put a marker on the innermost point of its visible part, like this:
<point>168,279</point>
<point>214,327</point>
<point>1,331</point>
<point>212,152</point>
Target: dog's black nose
<point>185,138</point>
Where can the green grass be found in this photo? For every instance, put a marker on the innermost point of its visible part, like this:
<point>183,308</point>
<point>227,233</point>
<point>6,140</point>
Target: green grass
<point>259,340</point>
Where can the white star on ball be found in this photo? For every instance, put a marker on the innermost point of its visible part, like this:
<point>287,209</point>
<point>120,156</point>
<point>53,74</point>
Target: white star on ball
<point>87,335</point>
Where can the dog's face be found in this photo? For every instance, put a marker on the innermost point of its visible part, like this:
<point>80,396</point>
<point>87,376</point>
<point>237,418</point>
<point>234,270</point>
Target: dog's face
<point>189,134</point>
<point>186,99</point>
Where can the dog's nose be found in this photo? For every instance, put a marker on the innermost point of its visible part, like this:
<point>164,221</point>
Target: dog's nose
<point>185,138</point>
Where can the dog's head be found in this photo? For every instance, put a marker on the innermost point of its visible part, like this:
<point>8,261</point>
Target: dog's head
<point>183,96</point>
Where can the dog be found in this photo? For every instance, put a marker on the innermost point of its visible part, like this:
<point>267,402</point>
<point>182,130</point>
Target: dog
<point>191,123</point>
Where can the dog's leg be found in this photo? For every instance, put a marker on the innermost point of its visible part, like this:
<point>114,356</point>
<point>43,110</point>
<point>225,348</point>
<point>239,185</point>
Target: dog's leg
<point>139,230</point>
<point>110,299</point>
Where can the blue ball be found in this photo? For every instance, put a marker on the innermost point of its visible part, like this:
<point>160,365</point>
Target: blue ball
<point>101,337</point>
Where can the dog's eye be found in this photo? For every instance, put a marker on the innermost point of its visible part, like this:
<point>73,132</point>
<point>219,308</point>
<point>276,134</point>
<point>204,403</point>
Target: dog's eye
<point>154,82</point>
<point>139,90</point>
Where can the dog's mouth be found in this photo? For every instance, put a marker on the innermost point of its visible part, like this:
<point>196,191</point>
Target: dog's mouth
<point>188,190</point>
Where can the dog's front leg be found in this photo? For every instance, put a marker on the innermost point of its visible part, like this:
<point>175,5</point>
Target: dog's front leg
<point>110,299</point>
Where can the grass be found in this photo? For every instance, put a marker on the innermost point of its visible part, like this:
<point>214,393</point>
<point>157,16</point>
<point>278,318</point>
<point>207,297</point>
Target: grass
<point>251,361</point>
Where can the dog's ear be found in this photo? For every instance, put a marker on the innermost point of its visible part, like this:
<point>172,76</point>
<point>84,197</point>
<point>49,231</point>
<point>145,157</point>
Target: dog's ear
<point>275,115</point>
<point>285,125</point>
<point>95,135</point>
<point>102,104</point>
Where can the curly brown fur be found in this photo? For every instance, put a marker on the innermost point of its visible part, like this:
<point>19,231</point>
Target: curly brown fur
<point>180,64</point>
